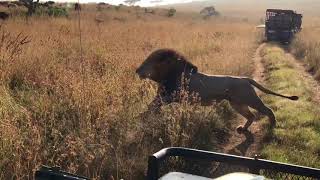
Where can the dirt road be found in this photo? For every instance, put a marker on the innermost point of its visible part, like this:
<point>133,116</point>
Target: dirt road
<point>302,70</point>
<point>249,143</point>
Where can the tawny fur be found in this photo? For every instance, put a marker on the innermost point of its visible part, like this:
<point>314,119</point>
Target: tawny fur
<point>173,72</point>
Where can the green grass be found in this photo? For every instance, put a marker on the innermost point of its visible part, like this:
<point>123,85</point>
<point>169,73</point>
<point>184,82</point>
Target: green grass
<point>296,138</point>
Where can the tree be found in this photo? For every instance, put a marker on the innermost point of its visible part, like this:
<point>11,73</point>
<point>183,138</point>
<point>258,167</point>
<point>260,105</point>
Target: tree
<point>50,3</point>
<point>209,11</point>
<point>31,5</point>
<point>77,7</point>
<point>131,2</point>
<point>151,11</point>
<point>171,12</point>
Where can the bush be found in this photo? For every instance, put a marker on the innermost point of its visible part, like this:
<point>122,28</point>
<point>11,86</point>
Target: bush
<point>57,12</point>
<point>41,11</point>
<point>209,11</point>
<point>117,8</point>
<point>171,12</point>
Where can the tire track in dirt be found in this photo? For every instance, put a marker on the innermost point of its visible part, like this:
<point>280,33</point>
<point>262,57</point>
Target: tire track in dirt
<point>249,143</point>
<point>302,70</point>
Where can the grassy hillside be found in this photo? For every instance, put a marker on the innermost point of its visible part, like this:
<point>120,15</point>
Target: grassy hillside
<point>82,111</point>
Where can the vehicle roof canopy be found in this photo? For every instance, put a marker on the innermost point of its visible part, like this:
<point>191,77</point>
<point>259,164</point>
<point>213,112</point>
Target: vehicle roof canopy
<point>281,11</point>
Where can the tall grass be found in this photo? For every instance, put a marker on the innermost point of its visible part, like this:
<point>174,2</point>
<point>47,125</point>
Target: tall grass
<point>84,114</point>
<point>307,46</point>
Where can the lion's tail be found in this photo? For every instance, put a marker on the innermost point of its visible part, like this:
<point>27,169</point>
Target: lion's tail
<point>265,90</point>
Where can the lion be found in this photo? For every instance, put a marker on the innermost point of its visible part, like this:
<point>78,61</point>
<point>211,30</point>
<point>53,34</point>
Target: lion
<point>173,72</point>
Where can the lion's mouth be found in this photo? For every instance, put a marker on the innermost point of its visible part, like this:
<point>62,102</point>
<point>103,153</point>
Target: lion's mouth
<point>144,76</point>
<point>141,75</point>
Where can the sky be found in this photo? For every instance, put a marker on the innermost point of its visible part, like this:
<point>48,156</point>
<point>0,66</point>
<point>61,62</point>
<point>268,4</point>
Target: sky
<point>141,3</point>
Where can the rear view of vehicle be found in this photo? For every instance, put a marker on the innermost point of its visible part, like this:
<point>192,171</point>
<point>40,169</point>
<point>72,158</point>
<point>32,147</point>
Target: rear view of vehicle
<point>281,25</point>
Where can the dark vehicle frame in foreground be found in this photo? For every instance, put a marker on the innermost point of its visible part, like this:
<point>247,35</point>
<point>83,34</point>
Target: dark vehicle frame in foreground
<point>269,169</point>
<point>55,173</point>
<point>282,25</point>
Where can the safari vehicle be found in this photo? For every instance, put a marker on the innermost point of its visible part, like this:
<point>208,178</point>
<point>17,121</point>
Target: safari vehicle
<point>177,163</point>
<point>281,25</point>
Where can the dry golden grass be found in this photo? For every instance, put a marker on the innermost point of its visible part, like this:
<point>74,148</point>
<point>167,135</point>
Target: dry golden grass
<point>82,114</point>
<point>307,45</point>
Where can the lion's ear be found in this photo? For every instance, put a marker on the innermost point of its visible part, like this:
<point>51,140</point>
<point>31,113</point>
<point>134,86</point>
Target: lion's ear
<point>185,67</point>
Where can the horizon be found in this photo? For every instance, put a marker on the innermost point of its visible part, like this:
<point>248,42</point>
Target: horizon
<point>145,3</point>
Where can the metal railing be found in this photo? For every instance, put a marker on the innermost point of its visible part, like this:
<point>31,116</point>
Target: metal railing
<point>55,173</point>
<point>269,169</point>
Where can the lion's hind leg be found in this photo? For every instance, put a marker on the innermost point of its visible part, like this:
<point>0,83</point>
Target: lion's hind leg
<point>258,105</point>
<point>245,112</point>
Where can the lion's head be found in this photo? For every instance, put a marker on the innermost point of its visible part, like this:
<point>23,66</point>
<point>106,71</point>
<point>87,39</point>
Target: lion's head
<point>165,65</point>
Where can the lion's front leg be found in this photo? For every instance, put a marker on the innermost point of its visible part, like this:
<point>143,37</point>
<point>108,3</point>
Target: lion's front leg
<point>156,104</point>
<point>153,107</point>
<point>246,113</point>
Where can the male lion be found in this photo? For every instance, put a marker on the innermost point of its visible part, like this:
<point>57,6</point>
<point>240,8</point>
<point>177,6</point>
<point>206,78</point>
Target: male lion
<point>173,72</point>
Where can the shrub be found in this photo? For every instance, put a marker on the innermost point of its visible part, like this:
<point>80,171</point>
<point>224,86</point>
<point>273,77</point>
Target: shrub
<point>209,11</point>
<point>57,12</point>
<point>171,12</point>
<point>41,11</point>
<point>117,8</point>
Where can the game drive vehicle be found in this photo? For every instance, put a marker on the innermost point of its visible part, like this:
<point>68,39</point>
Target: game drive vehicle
<point>177,163</point>
<point>281,25</point>
<point>190,164</point>
<point>55,173</point>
